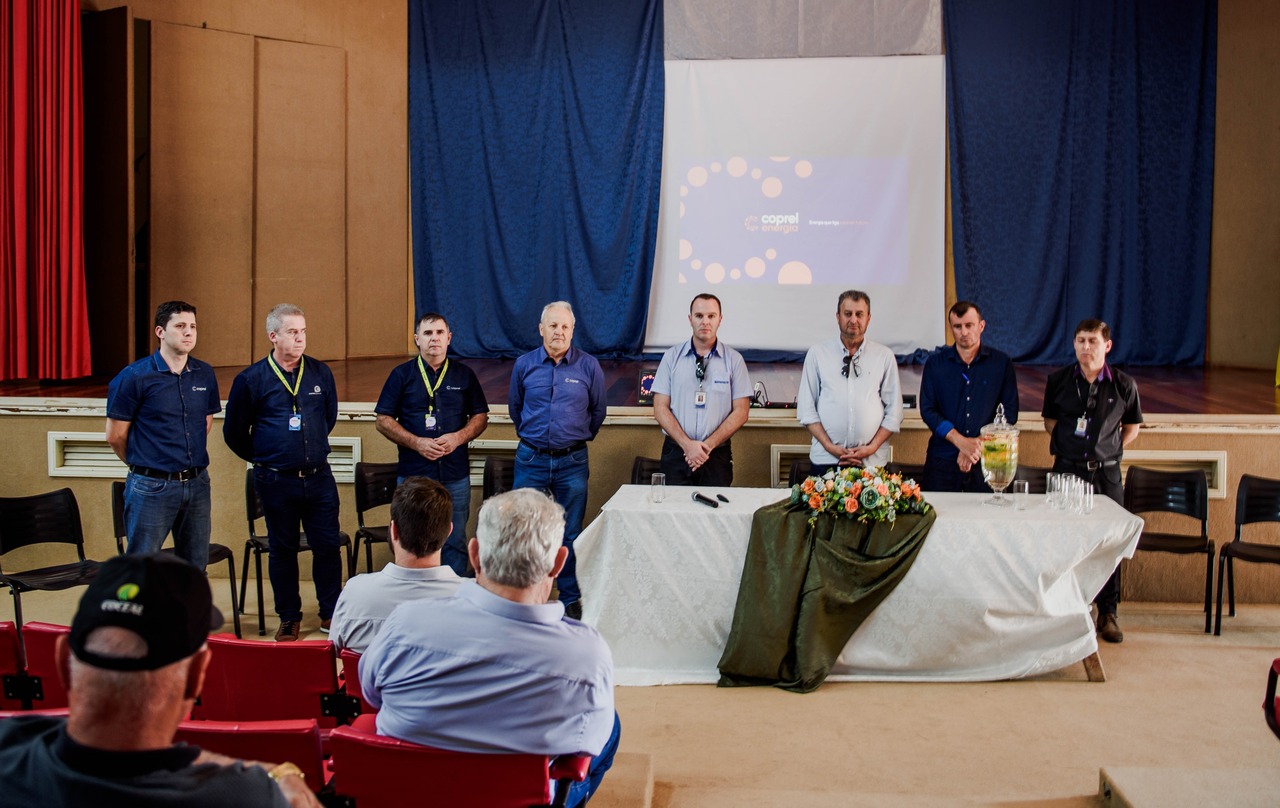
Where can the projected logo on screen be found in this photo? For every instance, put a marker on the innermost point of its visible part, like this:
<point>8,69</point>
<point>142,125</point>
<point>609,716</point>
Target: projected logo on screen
<point>784,220</point>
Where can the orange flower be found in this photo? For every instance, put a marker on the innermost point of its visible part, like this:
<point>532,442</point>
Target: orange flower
<point>850,505</point>
<point>815,501</point>
<point>882,490</point>
<point>855,490</point>
<point>807,486</point>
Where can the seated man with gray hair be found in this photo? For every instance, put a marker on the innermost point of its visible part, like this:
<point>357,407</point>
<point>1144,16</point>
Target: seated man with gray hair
<point>498,668</point>
<point>133,665</point>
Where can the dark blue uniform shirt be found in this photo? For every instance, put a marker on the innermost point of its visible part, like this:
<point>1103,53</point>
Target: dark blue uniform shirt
<point>457,397</point>
<point>555,406</point>
<point>166,412</point>
<point>964,397</point>
<point>258,411</point>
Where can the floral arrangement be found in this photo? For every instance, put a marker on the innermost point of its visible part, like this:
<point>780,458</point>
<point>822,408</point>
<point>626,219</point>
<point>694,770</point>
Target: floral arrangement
<point>865,494</point>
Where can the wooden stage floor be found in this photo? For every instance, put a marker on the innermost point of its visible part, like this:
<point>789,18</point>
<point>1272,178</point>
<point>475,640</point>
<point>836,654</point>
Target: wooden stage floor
<point>1176,391</point>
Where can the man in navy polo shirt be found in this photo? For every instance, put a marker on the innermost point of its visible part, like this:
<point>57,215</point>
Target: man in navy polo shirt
<point>159,413</point>
<point>279,416</point>
<point>557,404</point>
<point>960,388</point>
<point>431,407</point>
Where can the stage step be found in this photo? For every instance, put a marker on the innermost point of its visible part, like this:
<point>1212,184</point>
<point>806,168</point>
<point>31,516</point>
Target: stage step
<point>1150,786</point>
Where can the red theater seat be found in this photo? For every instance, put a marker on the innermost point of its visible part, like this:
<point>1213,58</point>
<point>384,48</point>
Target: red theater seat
<point>274,741</point>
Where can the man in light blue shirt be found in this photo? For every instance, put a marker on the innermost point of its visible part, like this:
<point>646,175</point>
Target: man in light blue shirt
<point>850,397</point>
<point>496,667</point>
<point>420,524</point>
<point>701,396</point>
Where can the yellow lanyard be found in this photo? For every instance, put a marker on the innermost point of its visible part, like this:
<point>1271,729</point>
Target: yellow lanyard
<point>297,385</point>
<point>431,391</point>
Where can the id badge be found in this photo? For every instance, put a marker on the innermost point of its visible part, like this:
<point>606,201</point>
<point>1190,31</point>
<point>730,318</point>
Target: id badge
<point>295,422</point>
<point>429,421</point>
<point>700,399</point>
<point>1082,426</point>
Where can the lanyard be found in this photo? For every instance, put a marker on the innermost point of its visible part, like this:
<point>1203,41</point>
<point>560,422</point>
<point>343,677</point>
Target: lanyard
<point>431,391</point>
<point>297,385</point>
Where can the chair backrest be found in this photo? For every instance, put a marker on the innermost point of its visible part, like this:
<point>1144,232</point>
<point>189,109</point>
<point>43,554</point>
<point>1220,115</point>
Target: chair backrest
<point>908,471</point>
<point>351,679</point>
<point>1036,477</point>
<point>375,486</point>
<point>643,469</point>
<point>117,515</point>
<point>10,662</point>
<point>252,505</point>
<point>378,771</point>
<point>296,741</point>
<point>1257,500</point>
<point>799,471</point>
<point>40,519</point>
<point>499,475</point>
<point>266,681</point>
<point>1181,492</point>
<point>41,642</point>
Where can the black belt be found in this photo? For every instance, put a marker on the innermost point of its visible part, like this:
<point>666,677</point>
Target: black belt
<point>311,472</point>
<point>172,476</point>
<point>570,449</point>
<point>1092,465</point>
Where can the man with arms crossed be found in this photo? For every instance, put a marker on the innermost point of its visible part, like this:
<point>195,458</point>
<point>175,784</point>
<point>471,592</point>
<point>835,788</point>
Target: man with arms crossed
<point>1091,412</point>
<point>701,396</point>
<point>279,416</point>
<point>960,388</point>
<point>159,413</point>
<point>420,514</point>
<point>850,397</point>
<point>496,667</point>
<point>556,401</point>
<point>134,664</point>
<point>431,407</point>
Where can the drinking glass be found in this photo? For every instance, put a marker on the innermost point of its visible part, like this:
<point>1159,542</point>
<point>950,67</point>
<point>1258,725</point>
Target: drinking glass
<point>658,487</point>
<point>1021,494</point>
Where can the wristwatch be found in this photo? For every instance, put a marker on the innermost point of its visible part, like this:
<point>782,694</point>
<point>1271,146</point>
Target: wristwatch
<point>286,769</point>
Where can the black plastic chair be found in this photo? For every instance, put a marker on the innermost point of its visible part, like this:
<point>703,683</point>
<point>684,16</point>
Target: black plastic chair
<point>1036,478</point>
<point>1257,500</point>
<point>499,475</point>
<point>1178,492</point>
<point>1272,704</point>
<point>643,469</point>
<point>217,552</point>
<point>799,471</point>
<point>375,486</point>
<point>52,518</point>
<point>261,544</point>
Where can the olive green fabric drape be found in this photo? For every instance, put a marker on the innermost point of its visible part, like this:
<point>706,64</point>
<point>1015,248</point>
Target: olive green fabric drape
<point>805,591</point>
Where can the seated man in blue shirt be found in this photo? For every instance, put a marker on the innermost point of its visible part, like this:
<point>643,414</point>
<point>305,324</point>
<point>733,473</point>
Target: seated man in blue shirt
<point>557,404</point>
<point>496,667</point>
<point>960,388</point>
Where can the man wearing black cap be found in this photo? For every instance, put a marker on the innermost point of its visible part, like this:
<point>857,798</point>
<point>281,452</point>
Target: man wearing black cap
<point>133,665</point>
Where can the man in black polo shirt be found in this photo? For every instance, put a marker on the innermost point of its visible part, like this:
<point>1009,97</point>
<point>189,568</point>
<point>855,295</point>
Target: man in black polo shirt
<point>159,413</point>
<point>279,416</point>
<point>1091,412</point>
<point>431,407</point>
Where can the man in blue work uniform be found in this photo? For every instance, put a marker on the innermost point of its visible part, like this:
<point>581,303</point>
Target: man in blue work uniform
<point>960,388</point>
<point>159,413</point>
<point>431,407</point>
<point>557,404</point>
<point>279,416</point>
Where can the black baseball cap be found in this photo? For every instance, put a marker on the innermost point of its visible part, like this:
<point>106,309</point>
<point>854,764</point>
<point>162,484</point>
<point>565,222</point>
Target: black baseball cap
<point>160,597</point>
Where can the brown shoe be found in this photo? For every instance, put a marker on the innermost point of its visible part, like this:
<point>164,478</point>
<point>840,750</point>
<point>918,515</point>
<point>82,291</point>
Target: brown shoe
<point>288,631</point>
<point>325,624</point>
<point>1109,628</point>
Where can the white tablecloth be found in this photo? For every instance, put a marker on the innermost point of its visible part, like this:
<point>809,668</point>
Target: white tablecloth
<point>995,593</point>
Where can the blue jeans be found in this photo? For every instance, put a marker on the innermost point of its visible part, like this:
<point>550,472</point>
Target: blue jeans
<point>153,508</point>
<point>579,793</point>
<point>313,502</point>
<point>565,479</point>
<point>454,552</point>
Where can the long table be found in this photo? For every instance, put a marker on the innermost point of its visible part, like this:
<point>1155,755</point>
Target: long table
<point>995,593</point>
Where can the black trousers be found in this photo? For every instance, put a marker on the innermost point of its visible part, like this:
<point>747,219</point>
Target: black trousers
<point>1106,481</point>
<point>717,471</point>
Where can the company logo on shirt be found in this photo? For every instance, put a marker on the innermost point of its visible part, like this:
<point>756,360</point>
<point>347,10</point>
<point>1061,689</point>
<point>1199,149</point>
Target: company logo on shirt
<point>451,387</point>
<point>199,389</point>
<point>315,391</point>
<point>572,380</point>
<point>719,381</point>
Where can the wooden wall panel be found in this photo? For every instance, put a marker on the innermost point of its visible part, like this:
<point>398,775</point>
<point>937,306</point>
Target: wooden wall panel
<point>202,193</point>
<point>300,246</point>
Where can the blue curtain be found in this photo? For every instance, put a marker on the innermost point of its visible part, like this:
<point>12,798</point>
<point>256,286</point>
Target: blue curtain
<point>535,153</point>
<point>1081,137</point>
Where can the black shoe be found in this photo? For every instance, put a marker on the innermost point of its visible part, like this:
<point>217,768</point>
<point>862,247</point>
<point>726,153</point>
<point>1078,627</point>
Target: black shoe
<point>1109,628</point>
<point>573,610</point>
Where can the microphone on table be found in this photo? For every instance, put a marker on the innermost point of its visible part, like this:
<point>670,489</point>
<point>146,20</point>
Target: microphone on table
<point>705,500</point>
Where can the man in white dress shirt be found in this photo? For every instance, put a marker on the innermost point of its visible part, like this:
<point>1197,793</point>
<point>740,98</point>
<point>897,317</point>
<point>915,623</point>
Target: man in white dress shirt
<point>850,398</point>
<point>421,513</point>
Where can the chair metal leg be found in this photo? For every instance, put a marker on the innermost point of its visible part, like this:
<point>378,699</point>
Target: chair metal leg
<point>368,554</point>
<point>1208,591</point>
<point>262,621</point>
<point>235,613</point>
<point>244,575</point>
<point>22,643</point>
<point>1222,568</point>
<point>1231,583</point>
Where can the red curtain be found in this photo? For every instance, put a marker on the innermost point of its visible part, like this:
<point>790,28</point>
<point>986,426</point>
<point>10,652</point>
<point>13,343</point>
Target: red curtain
<point>44,320</point>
